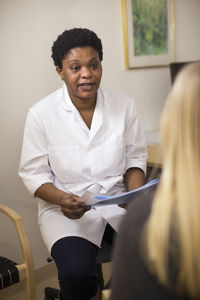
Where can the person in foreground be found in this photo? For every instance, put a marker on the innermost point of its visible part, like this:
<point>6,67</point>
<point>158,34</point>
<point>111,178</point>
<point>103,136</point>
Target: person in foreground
<point>158,244</point>
<point>80,138</point>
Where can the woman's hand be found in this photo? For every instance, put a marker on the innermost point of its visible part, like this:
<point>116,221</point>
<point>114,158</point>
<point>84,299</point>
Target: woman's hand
<point>72,208</point>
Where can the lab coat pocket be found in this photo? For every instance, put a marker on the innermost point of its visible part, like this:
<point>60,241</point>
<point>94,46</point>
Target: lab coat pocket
<point>110,157</point>
<point>66,160</point>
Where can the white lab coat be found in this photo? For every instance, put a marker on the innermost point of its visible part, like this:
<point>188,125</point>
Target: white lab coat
<point>58,147</point>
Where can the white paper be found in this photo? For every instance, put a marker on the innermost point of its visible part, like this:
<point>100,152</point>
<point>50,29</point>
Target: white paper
<point>101,199</point>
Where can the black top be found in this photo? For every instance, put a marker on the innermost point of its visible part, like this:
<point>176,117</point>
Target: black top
<point>130,278</point>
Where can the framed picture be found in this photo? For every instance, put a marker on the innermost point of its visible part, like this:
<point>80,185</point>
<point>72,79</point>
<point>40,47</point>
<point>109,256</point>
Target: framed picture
<point>149,33</point>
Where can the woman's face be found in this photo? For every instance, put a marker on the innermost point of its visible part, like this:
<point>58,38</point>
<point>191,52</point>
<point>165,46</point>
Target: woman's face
<point>81,72</point>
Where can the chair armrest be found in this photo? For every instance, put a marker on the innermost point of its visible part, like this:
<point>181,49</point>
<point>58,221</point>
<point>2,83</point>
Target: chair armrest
<point>26,269</point>
<point>23,239</point>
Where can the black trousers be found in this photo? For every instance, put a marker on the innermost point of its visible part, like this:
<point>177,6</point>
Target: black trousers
<point>75,259</point>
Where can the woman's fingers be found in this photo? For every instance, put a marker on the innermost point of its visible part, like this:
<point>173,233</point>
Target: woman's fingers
<point>74,213</point>
<point>72,208</point>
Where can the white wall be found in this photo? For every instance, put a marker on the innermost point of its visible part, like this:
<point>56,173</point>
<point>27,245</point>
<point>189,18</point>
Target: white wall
<point>27,30</point>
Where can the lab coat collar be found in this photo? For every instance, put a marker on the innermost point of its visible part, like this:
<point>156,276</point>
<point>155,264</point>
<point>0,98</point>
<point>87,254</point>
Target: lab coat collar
<point>68,104</point>
<point>97,120</point>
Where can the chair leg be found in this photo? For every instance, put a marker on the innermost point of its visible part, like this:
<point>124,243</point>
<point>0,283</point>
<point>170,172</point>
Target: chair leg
<point>30,286</point>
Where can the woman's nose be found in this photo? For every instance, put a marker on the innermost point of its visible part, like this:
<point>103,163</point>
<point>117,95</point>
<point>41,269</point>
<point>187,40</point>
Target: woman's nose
<point>85,72</point>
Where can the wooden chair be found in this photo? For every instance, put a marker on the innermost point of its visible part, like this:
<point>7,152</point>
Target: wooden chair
<point>11,272</point>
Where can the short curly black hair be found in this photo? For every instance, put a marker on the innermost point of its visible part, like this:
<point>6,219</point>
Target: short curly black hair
<point>76,37</point>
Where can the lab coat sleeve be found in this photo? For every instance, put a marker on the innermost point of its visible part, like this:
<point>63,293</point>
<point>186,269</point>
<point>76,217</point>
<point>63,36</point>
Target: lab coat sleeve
<point>136,149</point>
<point>34,167</point>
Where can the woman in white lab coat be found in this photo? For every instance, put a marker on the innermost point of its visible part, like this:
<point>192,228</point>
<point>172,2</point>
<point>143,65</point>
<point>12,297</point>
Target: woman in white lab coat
<point>80,138</point>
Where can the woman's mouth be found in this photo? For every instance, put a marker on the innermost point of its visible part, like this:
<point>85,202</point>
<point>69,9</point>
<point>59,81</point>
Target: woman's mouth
<point>86,86</point>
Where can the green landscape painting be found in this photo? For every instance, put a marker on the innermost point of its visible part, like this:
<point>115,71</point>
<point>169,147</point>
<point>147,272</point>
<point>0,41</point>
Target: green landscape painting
<point>150,27</point>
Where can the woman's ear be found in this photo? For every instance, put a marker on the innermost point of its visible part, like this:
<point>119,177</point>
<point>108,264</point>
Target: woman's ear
<point>60,73</point>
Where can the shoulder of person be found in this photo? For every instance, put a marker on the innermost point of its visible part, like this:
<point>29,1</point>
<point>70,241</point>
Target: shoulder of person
<point>48,101</point>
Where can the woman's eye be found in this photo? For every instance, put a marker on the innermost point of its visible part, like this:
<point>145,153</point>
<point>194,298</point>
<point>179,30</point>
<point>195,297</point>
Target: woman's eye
<point>94,66</point>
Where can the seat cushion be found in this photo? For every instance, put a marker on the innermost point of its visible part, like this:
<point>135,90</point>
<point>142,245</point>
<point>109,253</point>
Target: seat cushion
<point>9,273</point>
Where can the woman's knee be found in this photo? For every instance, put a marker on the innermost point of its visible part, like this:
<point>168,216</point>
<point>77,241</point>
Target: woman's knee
<point>76,274</point>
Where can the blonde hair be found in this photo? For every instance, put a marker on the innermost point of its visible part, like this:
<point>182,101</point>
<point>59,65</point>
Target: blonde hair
<point>176,206</point>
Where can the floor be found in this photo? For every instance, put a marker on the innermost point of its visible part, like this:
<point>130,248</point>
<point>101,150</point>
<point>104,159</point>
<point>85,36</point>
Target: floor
<point>16,292</point>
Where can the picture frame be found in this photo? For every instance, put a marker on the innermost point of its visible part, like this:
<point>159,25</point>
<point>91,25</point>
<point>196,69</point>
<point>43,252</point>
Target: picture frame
<point>146,46</point>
